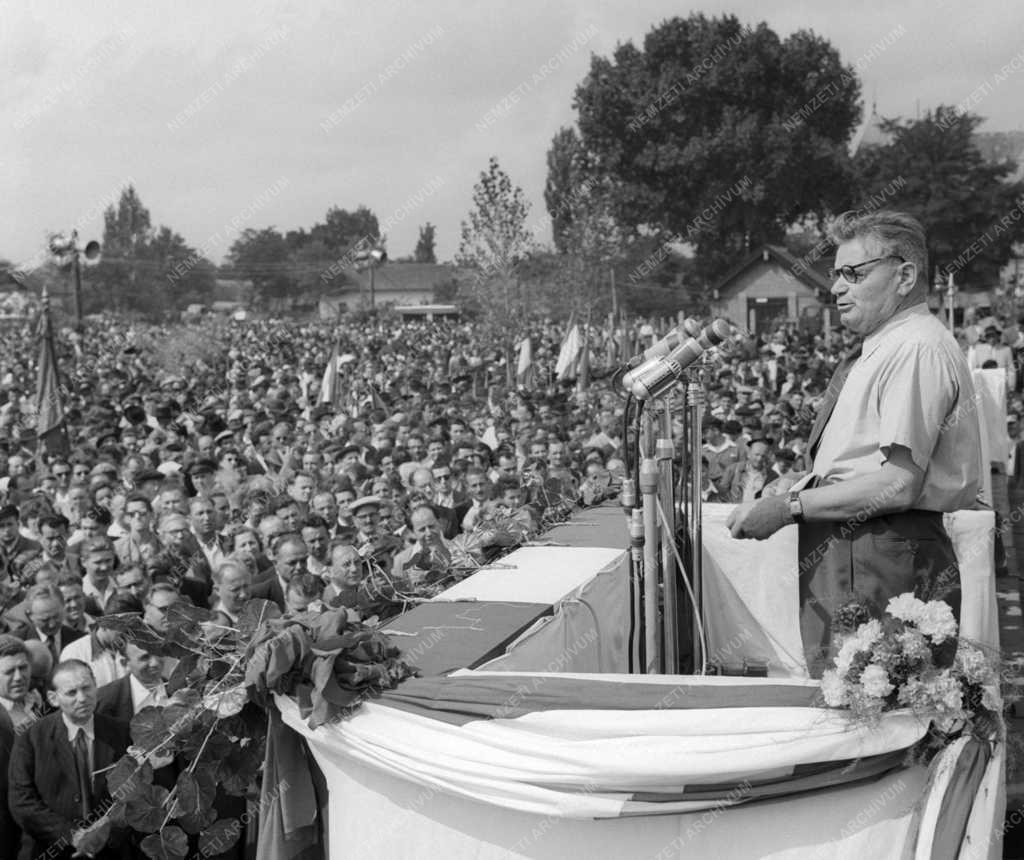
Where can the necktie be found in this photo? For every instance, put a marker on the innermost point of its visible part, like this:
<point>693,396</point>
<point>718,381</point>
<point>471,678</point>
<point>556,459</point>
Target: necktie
<point>51,644</point>
<point>835,385</point>
<point>81,747</point>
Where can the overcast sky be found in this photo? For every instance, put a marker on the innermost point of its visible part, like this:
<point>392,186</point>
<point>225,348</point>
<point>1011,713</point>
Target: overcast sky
<point>229,115</point>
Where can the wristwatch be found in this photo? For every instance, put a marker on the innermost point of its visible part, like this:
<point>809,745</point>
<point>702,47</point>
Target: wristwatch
<point>796,510</point>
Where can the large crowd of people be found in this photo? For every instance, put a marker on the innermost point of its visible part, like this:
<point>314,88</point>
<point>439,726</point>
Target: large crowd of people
<point>185,463</point>
<point>204,465</point>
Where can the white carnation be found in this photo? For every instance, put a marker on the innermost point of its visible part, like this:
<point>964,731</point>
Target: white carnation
<point>833,689</point>
<point>875,681</point>
<point>868,634</point>
<point>847,651</point>
<point>936,621</point>
<point>974,665</point>
<point>905,606</point>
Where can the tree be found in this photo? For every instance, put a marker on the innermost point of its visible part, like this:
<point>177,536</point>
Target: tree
<point>719,135</point>
<point>191,277</point>
<point>933,169</point>
<point>565,173</point>
<point>263,257</point>
<point>425,252</point>
<point>495,243</point>
<point>126,233</point>
<point>342,230</point>
<point>142,269</point>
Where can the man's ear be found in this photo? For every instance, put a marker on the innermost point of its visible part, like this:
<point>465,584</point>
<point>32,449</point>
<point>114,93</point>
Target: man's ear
<point>908,278</point>
<point>51,697</point>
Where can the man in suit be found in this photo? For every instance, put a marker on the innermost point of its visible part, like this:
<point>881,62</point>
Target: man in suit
<point>186,570</point>
<point>46,620</point>
<point>57,781</point>
<point>478,490</point>
<point>289,559</point>
<point>422,488</point>
<point>17,713</point>
<point>142,687</point>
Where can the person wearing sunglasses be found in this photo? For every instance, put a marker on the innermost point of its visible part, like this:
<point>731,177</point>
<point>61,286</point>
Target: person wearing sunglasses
<point>895,443</point>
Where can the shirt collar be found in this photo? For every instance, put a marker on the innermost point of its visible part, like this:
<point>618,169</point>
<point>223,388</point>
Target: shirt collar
<point>74,728</point>
<point>89,588</point>
<point>140,692</point>
<point>46,639</point>
<point>873,340</point>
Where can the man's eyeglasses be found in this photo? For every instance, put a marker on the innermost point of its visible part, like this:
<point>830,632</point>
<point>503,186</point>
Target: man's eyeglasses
<point>850,273</point>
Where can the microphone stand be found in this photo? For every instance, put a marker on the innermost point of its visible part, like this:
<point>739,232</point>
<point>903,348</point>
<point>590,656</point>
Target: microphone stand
<point>649,481</point>
<point>664,451</point>
<point>695,408</point>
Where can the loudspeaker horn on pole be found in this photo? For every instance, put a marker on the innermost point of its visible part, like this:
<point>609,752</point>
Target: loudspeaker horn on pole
<point>91,254</point>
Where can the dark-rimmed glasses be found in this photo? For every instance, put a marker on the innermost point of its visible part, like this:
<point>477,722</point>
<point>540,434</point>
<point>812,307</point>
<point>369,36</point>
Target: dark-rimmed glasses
<point>850,274</point>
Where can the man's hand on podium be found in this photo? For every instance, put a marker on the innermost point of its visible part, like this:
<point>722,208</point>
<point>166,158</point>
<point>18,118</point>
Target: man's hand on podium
<point>760,519</point>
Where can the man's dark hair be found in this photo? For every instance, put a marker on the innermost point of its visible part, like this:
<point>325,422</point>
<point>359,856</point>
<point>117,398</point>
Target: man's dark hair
<point>279,503</point>
<point>12,646</point>
<point>139,499</point>
<point>54,521</point>
<point>314,521</point>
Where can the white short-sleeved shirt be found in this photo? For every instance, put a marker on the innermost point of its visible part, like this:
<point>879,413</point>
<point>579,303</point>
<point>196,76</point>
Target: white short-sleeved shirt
<point>910,387</point>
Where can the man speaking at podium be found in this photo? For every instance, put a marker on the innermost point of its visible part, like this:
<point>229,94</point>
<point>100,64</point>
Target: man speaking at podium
<point>896,441</point>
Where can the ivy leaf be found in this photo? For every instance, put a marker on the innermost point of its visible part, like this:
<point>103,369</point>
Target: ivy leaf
<point>149,728</point>
<point>178,681</point>
<point>239,768</point>
<point>144,810</point>
<point>196,824</point>
<point>171,843</point>
<point>206,782</point>
<point>132,628</point>
<point>187,613</point>
<point>127,776</point>
<point>116,814</point>
<point>227,702</point>
<point>188,800</point>
<point>219,837</point>
<point>179,719</point>
<point>216,747</point>
<point>186,696</point>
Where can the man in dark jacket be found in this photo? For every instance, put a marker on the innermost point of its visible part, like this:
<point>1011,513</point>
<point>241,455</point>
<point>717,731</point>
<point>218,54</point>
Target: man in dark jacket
<point>57,772</point>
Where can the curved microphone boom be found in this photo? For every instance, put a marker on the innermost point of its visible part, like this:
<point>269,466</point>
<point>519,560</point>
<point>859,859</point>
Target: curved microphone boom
<point>656,376</point>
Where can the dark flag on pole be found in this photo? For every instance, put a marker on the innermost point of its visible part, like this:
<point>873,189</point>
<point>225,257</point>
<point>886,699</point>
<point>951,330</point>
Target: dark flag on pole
<point>51,428</point>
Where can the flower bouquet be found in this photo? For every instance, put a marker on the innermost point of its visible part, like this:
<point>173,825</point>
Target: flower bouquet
<point>911,658</point>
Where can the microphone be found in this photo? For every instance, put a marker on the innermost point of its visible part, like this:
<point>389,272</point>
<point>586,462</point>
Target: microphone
<point>656,376</point>
<point>689,328</point>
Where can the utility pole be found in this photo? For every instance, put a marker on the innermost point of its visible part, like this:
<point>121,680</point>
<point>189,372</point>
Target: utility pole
<point>67,252</point>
